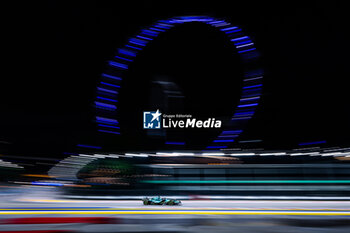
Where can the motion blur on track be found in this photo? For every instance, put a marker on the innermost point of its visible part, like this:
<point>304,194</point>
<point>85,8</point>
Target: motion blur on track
<point>217,192</point>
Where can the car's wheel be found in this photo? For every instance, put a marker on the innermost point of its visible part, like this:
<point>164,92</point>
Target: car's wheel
<point>145,201</point>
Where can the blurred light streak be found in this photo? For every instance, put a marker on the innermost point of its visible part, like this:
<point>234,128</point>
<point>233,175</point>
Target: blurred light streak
<point>104,119</point>
<point>216,147</point>
<point>127,52</point>
<point>156,29</point>
<point>220,140</point>
<point>212,154</point>
<point>247,50</point>
<point>133,47</point>
<point>125,59</point>
<point>107,90</point>
<point>109,126</point>
<point>108,99</point>
<point>38,175</point>
<point>243,154</point>
<point>240,38</point>
<point>229,28</point>
<point>175,143</point>
<point>250,141</point>
<point>231,131</point>
<point>137,155</point>
<point>245,181</point>
<point>118,64</point>
<point>111,76</point>
<point>251,79</point>
<point>109,84</point>
<point>108,131</point>
<point>243,42</point>
<point>8,164</point>
<point>46,183</point>
<point>233,31</point>
<point>105,105</point>
<point>89,146</point>
<point>332,154</point>
<point>143,37</point>
<point>253,86</point>
<point>277,153</point>
<point>312,143</point>
<point>247,105</point>
<point>244,45</point>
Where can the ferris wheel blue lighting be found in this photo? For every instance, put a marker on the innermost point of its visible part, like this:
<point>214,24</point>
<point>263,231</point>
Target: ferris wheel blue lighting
<point>111,80</point>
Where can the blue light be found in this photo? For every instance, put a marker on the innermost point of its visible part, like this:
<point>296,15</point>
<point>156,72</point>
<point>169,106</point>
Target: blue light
<point>129,46</point>
<point>127,52</point>
<point>123,58</point>
<point>132,42</point>
<point>108,131</point>
<point>46,183</point>
<point>109,84</point>
<point>231,131</point>
<point>105,105</point>
<point>104,122</point>
<point>107,90</point>
<point>143,37</point>
<point>247,87</point>
<point>228,140</point>
<point>243,42</point>
<point>255,90</point>
<point>229,28</point>
<point>247,105</point>
<point>165,21</point>
<point>247,50</point>
<point>108,99</point>
<point>139,44</point>
<point>157,29</point>
<point>311,143</point>
<point>217,22</point>
<point>138,41</point>
<point>160,26</point>
<point>240,118</point>
<point>233,31</point>
<point>175,143</point>
<point>89,146</point>
<point>249,94</point>
<point>118,64</point>
<point>106,119</point>
<point>149,33</point>
<point>228,136</point>
<point>108,126</point>
<point>111,76</point>
<point>240,38</point>
<point>244,113</point>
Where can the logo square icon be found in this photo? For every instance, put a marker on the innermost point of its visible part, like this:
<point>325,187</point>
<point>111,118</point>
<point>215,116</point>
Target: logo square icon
<point>151,120</point>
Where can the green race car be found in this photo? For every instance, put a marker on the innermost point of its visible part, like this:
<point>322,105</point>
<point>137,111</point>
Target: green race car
<point>160,201</point>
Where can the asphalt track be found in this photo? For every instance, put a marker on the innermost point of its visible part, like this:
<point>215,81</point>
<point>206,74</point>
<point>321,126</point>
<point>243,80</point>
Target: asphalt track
<point>26,214</point>
<point>24,206</point>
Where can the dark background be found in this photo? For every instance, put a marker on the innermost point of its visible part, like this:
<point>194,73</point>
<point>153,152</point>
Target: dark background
<point>54,51</point>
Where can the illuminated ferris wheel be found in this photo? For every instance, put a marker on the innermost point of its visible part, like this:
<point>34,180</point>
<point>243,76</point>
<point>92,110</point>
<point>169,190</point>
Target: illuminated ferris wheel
<point>111,82</point>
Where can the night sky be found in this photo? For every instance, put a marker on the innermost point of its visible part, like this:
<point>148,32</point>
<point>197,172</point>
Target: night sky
<point>54,51</point>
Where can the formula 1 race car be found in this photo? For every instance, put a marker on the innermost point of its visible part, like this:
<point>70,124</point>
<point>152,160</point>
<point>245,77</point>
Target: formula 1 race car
<point>160,201</point>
